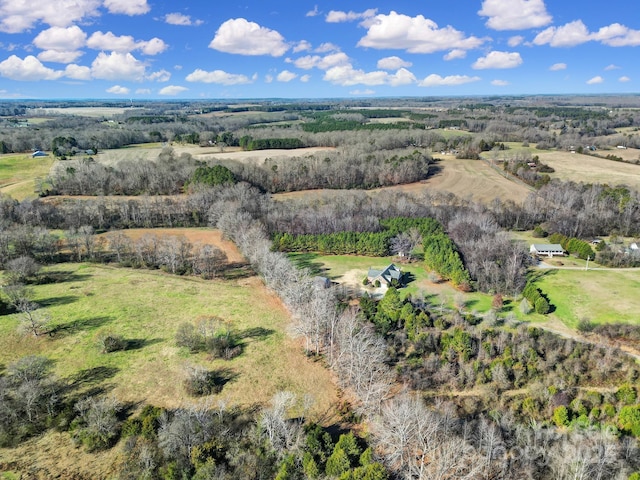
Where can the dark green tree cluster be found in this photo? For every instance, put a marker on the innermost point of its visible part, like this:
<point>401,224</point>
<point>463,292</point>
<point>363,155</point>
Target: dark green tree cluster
<point>214,175</point>
<point>249,143</point>
<point>441,255</point>
<point>375,244</point>
<point>536,298</point>
<point>574,246</point>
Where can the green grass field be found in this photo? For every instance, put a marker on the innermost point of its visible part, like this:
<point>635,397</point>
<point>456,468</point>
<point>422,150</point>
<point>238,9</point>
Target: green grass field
<point>18,174</point>
<point>351,270</point>
<point>146,307</point>
<point>600,296</point>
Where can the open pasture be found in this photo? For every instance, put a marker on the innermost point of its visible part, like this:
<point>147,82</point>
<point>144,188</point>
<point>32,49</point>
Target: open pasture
<point>151,152</point>
<point>18,174</point>
<point>599,296</point>
<point>145,308</point>
<point>589,169</point>
<point>472,179</point>
<point>350,270</point>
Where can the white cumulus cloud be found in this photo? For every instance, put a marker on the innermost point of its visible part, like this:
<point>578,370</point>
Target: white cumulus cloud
<point>77,72</point>
<point>172,90</point>
<point>218,76</point>
<point>127,7</point>
<point>347,75</point>
<point>515,14</point>
<point>455,54</point>
<point>248,38</point>
<point>576,32</point>
<point>286,76</point>
<point>61,39</point>
<point>143,91</point>
<point>336,16</point>
<point>313,13</point>
<point>118,90</point>
<point>125,43</point>
<point>595,80</point>
<point>159,76</point>
<point>499,83</point>
<point>117,66</point>
<point>392,63</point>
<point>611,67</point>
<point>302,46</point>
<point>558,66</point>
<point>435,80</point>
<point>515,41</point>
<point>305,78</point>
<point>624,79</point>
<point>18,16</point>
<point>27,69</point>
<point>497,59</point>
<point>414,34</point>
<point>181,19</point>
<point>568,35</point>
<point>323,63</point>
<point>57,56</point>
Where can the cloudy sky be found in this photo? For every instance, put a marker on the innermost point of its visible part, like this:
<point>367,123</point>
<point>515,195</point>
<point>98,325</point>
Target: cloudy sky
<point>198,49</point>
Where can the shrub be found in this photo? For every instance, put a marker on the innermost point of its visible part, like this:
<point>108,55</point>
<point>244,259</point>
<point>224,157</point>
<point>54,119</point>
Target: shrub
<point>110,342</point>
<point>542,306</point>
<point>561,416</point>
<point>626,394</point>
<point>200,381</point>
<point>187,336</point>
<point>224,344</point>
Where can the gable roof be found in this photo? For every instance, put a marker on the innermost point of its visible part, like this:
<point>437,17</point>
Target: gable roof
<point>391,272</point>
<point>547,247</point>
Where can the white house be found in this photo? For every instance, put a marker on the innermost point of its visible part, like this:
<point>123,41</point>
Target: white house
<point>547,249</point>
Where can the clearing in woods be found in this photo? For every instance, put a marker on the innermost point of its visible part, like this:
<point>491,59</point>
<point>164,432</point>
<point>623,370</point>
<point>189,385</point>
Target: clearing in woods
<point>473,179</point>
<point>146,307</point>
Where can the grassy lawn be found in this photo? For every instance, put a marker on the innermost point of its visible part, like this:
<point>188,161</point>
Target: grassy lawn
<point>146,307</point>
<point>600,296</point>
<point>353,269</point>
<point>18,174</point>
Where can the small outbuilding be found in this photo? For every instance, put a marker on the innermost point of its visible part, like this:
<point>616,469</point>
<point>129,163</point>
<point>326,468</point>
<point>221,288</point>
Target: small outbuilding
<point>547,249</point>
<point>39,153</point>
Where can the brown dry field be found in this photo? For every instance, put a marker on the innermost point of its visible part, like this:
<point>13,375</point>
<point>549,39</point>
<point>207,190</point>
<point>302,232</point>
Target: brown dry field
<point>465,178</point>
<point>588,169</point>
<point>204,153</point>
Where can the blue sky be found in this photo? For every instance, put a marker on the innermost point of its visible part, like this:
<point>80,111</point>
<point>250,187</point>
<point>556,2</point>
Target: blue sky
<point>203,49</point>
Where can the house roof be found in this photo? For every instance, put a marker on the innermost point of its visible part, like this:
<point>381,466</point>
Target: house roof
<point>391,272</point>
<point>547,247</point>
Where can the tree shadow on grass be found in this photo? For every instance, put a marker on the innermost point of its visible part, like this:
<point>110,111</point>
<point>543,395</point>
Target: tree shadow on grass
<point>91,381</point>
<point>79,325</point>
<point>258,333</point>
<point>63,300</point>
<point>223,376</point>
<point>306,260</point>
<point>237,271</point>
<point>62,276</point>
<point>139,343</point>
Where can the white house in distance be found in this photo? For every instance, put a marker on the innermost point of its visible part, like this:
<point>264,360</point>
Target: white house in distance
<point>547,249</point>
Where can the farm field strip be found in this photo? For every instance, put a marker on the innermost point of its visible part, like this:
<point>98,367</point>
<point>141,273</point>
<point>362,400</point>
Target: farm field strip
<point>588,169</point>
